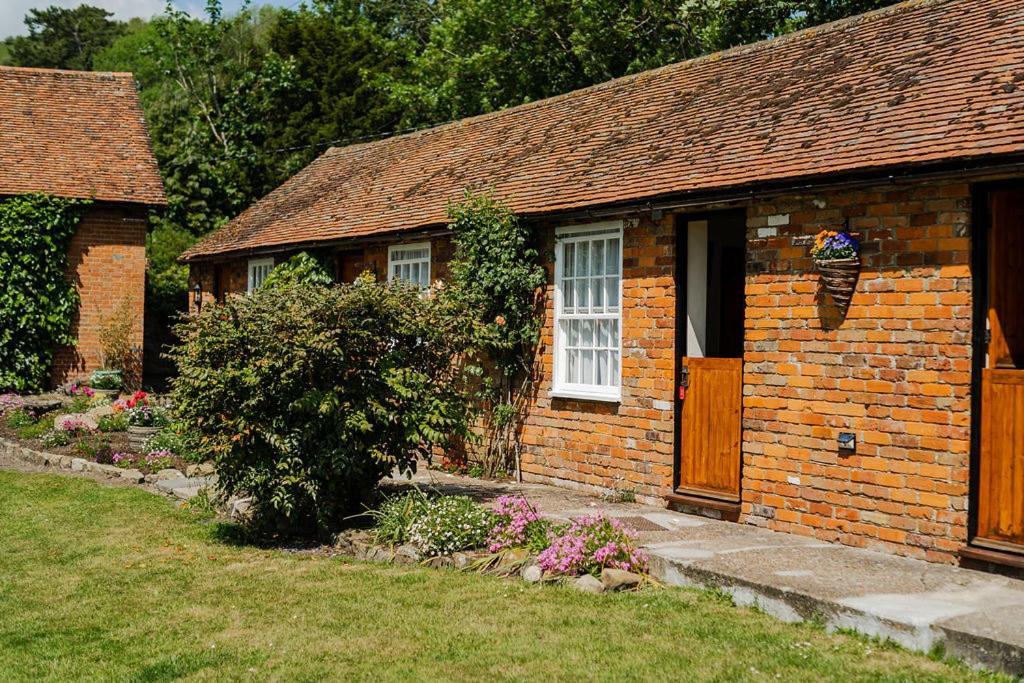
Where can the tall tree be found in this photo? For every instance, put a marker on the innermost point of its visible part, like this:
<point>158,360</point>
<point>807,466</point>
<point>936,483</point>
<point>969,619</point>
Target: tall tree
<point>64,38</point>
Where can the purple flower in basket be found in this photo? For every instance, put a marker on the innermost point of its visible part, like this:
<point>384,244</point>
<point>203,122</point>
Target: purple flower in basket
<point>831,245</point>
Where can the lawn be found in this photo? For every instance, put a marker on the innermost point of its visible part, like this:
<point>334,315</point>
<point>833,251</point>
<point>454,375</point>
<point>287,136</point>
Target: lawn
<point>116,584</point>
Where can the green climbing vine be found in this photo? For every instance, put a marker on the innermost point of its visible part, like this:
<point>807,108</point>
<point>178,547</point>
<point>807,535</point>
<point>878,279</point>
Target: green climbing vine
<point>37,302</point>
<point>496,271</point>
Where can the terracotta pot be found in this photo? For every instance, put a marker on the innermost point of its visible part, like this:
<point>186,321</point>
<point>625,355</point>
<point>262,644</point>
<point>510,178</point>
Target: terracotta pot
<point>138,436</point>
<point>839,277</point>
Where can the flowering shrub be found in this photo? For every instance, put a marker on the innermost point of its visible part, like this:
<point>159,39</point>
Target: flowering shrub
<point>450,524</point>
<point>589,544</point>
<point>10,402</point>
<point>76,389</point>
<point>517,523</point>
<point>154,461</point>
<point>137,400</point>
<point>75,426</point>
<point>146,416</point>
<point>830,244</point>
<point>56,437</point>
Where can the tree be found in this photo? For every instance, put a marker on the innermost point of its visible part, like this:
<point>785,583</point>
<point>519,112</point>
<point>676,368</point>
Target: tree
<point>64,38</point>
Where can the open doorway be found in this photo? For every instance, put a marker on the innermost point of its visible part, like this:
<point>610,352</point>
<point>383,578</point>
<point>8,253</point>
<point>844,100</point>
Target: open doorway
<point>711,274</point>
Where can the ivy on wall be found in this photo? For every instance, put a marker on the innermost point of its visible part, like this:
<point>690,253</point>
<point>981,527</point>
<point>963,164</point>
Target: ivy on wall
<point>37,302</point>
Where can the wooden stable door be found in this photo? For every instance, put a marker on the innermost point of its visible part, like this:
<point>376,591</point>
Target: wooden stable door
<point>711,427</point>
<point>1000,489</point>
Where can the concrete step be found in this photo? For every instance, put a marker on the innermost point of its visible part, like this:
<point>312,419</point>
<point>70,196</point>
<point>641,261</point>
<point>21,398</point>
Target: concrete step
<point>973,616</point>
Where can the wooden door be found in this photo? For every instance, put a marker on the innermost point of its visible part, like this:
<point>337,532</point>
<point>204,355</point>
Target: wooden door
<point>1000,490</point>
<point>711,427</point>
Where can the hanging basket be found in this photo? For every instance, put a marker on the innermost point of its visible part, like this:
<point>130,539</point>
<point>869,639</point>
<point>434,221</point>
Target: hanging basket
<point>839,277</point>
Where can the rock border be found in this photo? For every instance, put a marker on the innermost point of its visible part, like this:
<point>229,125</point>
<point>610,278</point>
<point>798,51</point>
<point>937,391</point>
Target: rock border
<point>515,562</point>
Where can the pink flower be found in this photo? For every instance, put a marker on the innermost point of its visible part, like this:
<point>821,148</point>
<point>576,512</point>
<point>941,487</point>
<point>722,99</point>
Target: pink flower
<point>500,320</point>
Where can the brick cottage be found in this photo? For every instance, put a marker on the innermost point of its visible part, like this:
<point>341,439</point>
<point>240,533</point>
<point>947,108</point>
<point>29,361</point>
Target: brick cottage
<point>82,135</point>
<point>690,354</point>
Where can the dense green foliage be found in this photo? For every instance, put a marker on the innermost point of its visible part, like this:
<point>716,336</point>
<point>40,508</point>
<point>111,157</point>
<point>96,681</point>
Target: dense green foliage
<point>37,302</point>
<point>236,104</point>
<point>496,272</point>
<point>64,38</point>
<point>305,396</point>
<point>301,269</point>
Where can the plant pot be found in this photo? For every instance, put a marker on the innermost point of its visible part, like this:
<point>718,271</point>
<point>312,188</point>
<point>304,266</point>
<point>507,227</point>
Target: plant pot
<point>138,436</point>
<point>839,277</point>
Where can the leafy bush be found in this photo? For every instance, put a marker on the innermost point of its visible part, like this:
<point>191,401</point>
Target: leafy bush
<point>174,439</point>
<point>589,544</point>
<point>301,269</point>
<point>393,519</point>
<point>305,396</point>
<point>94,448</point>
<point>107,379</point>
<point>37,301</point>
<point>35,428</point>
<point>56,437</point>
<point>449,524</point>
<point>117,422</point>
<point>79,404</point>
<point>19,418</point>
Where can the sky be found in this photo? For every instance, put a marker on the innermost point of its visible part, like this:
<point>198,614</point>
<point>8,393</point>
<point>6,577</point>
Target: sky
<point>12,12</point>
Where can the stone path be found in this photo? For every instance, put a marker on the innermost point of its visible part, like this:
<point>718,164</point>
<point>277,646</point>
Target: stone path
<point>973,615</point>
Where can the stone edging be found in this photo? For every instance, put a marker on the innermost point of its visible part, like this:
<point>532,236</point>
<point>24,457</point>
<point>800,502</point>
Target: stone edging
<point>67,462</point>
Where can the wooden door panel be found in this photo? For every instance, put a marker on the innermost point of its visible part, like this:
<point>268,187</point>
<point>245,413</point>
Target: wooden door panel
<point>711,428</point>
<point>1001,471</point>
<point>1006,262</point>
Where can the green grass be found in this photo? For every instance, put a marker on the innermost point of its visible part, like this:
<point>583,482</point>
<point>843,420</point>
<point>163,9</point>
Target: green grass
<point>116,584</point>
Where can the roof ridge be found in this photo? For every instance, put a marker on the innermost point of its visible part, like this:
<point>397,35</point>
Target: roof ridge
<point>765,44</point>
<point>74,73</point>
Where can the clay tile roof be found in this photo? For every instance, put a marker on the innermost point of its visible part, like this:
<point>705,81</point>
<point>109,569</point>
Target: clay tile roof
<point>924,81</point>
<point>75,134</point>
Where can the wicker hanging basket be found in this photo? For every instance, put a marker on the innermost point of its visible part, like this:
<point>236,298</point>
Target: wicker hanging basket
<point>839,277</point>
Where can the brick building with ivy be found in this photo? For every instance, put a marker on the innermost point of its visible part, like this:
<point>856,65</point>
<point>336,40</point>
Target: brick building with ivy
<point>82,135</point>
<point>692,353</point>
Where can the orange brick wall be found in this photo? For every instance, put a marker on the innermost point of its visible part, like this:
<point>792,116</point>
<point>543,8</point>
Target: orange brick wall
<point>628,446</point>
<point>107,263</point>
<point>896,372</point>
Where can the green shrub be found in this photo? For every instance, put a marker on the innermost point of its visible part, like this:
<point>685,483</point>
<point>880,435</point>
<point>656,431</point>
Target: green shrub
<point>56,437</point>
<point>305,396</point>
<point>393,518</point>
<point>106,379</point>
<point>449,524</point>
<point>115,422</point>
<point>35,429</point>
<point>301,269</point>
<point>79,404</point>
<point>37,301</point>
<point>19,419</point>
<point>174,439</point>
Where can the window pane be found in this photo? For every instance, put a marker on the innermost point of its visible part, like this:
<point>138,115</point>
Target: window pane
<point>568,263</point>
<point>582,259</point>
<point>611,288</point>
<point>574,333</point>
<point>613,374</point>
<point>568,297</point>
<point>597,293</point>
<point>582,303</point>
<point>587,334</point>
<point>586,367</point>
<point>603,332</point>
<point>601,370</point>
<point>572,367</point>
<point>597,253</point>
<point>612,256</point>
<point>613,341</point>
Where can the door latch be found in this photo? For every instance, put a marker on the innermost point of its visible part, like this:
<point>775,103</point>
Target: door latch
<point>684,382</point>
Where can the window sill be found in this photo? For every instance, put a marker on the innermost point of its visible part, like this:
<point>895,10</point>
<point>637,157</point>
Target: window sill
<point>582,395</point>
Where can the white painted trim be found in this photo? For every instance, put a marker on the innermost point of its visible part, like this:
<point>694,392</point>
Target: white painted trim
<point>394,248</point>
<point>696,288</point>
<point>581,233</point>
<point>255,263</point>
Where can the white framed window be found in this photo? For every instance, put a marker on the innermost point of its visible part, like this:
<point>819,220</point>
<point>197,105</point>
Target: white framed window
<point>410,262</point>
<point>588,312</point>
<point>259,269</point>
